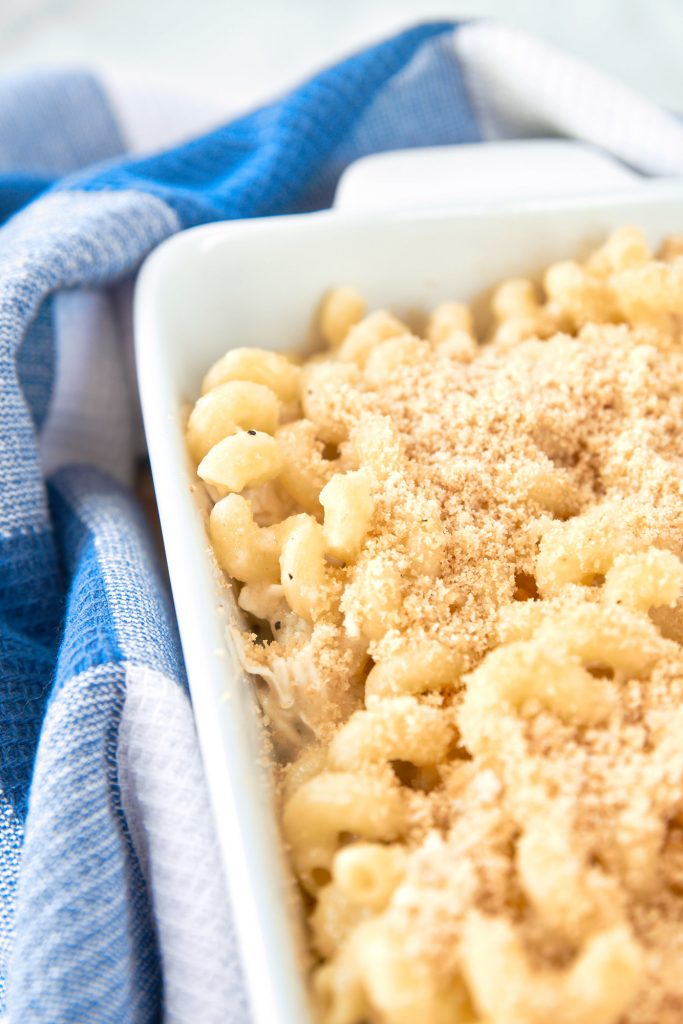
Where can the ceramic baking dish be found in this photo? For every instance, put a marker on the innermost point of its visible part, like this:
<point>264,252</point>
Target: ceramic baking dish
<point>257,283</point>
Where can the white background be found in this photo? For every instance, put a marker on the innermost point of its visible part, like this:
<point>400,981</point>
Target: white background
<point>245,50</point>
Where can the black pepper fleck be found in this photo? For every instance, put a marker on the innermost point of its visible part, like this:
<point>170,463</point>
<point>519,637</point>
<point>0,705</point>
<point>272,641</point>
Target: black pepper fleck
<point>252,432</point>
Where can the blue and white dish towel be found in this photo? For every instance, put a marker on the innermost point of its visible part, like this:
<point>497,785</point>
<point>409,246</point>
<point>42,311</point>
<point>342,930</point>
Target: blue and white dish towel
<point>112,904</point>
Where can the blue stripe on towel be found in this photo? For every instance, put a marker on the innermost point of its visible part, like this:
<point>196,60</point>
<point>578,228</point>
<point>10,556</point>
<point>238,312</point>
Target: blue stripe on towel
<point>266,162</point>
<point>54,122</point>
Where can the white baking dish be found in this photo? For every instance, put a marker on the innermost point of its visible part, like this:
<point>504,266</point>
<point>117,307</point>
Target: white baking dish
<point>257,283</point>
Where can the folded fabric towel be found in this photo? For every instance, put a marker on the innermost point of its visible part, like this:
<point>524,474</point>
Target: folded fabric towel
<point>112,903</point>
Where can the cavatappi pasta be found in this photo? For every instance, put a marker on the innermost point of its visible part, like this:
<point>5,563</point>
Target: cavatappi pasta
<point>462,558</point>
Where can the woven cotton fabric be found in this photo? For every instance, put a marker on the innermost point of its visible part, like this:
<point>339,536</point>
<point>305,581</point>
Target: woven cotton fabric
<point>113,907</point>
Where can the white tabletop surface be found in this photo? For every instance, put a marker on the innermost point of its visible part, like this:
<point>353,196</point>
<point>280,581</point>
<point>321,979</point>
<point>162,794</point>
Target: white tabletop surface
<point>246,50</point>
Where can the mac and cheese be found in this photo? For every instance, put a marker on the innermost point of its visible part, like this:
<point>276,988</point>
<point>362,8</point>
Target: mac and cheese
<point>461,550</point>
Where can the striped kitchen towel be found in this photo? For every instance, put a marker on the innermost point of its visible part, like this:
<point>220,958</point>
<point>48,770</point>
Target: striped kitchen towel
<point>112,904</point>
